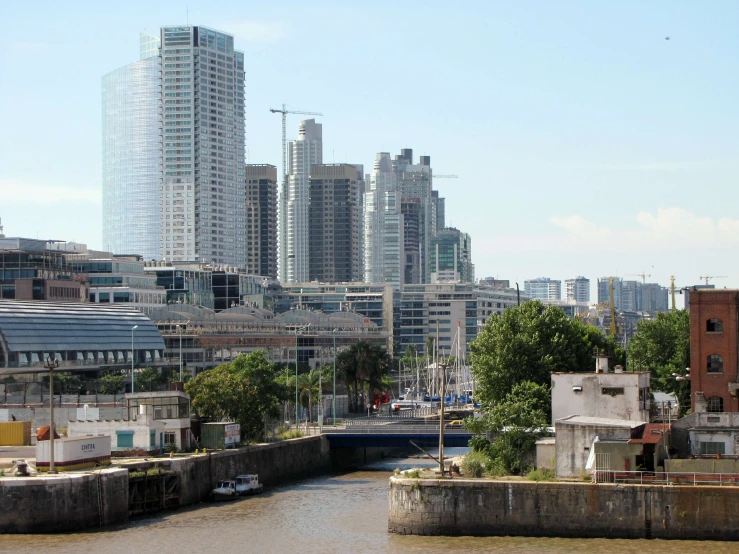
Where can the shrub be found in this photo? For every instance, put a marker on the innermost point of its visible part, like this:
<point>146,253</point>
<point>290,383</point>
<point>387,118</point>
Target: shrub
<point>543,474</point>
<point>479,443</point>
<point>473,464</point>
<point>495,468</point>
<point>412,473</point>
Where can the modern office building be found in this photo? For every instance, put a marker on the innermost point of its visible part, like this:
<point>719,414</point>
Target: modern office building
<point>333,223</point>
<point>439,211</point>
<point>302,154</point>
<point>654,297</point>
<point>543,288</point>
<point>604,291</point>
<point>577,289</point>
<point>132,155</point>
<point>494,298</point>
<point>451,257</point>
<point>383,244</point>
<point>413,221</point>
<point>261,220</point>
<point>203,193</point>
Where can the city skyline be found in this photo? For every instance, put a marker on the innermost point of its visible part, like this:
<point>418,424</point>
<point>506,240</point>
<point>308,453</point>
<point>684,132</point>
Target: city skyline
<point>590,132</point>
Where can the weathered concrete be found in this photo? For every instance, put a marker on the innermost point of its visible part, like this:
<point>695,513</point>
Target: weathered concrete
<point>63,503</point>
<point>492,508</point>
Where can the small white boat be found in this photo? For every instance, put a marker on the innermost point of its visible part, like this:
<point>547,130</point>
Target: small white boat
<point>226,490</point>
<point>248,484</point>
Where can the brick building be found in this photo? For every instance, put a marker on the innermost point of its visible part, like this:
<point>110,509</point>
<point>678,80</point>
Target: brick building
<point>714,379</point>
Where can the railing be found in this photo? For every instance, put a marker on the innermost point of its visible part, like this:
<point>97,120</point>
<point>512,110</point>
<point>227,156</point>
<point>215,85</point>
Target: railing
<point>417,429</point>
<point>666,478</point>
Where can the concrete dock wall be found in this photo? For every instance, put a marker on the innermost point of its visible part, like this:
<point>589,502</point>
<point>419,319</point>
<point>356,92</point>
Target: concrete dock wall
<point>63,503</point>
<point>493,508</point>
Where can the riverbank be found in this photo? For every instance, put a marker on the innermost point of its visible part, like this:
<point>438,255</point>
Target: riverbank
<point>96,499</point>
<point>477,507</point>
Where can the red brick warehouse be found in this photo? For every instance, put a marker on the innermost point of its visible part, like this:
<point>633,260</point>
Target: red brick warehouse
<point>714,362</point>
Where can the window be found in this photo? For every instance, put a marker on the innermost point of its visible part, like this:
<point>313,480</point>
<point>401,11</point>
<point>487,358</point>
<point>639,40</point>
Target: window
<point>169,438</point>
<point>715,364</point>
<point>712,448</point>
<point>124,439</point>
<point>715,405</point>
<point>714,326</point>
<point>152,438</point>
<point>612,391</point>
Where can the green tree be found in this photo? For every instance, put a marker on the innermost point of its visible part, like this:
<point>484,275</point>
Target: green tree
<point>146,378</point>
<point>528,343</point>
<point>111,383</point>
<point>661,346</point>
<point>515,423</point>
<point>244,391</point>
<point>362,367</point>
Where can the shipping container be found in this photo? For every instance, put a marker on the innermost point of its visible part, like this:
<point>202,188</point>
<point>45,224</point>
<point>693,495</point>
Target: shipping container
<point>15,433</point>
<point>74,453</point>
<point>220,435</point>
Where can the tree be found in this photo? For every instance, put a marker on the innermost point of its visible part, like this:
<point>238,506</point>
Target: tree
<point>662,347</point>
<point>145,379</point>
<point>515,423</point>
<point>362,366</point>
<point>111,383</point>
<point>528,343</point>
<point>244,391</point>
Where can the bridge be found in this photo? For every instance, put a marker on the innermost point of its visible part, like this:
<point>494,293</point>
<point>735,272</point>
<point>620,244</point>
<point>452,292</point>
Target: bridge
<point>392,434</point>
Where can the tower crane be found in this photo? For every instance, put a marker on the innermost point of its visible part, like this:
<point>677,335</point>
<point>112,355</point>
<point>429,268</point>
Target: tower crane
<point>284,111</point>
<point>642,275</point>
<point>445,176</point>
<point>706,278</point>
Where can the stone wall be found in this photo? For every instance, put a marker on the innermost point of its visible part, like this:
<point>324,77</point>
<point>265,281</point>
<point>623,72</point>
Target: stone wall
<point>491,508</point>
<point>63,503</point>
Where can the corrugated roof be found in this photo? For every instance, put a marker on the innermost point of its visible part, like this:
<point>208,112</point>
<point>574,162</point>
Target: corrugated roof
<point>598,422</point>
<point>653,433</point>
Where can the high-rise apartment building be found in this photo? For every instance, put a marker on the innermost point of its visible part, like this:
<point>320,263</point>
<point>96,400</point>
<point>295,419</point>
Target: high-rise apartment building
<point>577,289</point>
<point>202,196</point>
<point>383,247</point>
<point>451,257</point>
<point>413,221</point>
<point>261,220</point>
<point>302,154</point>
<point>543,288</point>
<point>333,223</point>
<point>414,181</point>
<point>604,291</point>
<point>438,212</point>
<point>132,155</point>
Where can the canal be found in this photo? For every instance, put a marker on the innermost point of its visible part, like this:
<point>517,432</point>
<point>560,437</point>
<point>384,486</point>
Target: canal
<point>342,513</point>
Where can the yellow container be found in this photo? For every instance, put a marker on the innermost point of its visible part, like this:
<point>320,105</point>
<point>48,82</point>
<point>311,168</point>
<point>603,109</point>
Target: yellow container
<point>15,433</point>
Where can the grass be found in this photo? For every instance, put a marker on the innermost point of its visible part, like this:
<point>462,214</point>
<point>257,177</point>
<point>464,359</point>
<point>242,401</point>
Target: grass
<point>292,434</point>
<point>412,473</point>
<point>544,474</point>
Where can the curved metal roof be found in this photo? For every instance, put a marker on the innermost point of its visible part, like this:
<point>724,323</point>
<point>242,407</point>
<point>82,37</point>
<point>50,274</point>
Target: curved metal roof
<point>56,327</point>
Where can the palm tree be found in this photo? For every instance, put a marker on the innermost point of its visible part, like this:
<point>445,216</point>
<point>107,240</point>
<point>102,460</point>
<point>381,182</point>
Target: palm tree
<point>363,365</point>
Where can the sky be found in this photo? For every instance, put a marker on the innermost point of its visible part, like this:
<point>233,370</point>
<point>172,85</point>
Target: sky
<point>585,142</point>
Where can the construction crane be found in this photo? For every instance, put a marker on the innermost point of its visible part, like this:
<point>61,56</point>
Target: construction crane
<point>284,111</point>
<point>706,278</point>
<point>445,177</point>
<point>642,275</point>
<point>612,328</point>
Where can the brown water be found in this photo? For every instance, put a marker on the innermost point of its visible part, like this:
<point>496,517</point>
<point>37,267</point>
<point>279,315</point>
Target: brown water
<point>346,513</point>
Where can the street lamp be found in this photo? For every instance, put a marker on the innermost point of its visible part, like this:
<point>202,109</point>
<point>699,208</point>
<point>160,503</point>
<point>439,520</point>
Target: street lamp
<point>51,364</point>
<point>132,353</point>
<point>179,330</point>
<point>333,410</point>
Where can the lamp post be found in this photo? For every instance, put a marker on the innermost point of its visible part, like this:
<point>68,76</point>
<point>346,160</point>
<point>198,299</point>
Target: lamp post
<point>51,364</point>
<point>297,328</point>
<point>132,353</point>
<point>333,409</point>
<point>179,330</point>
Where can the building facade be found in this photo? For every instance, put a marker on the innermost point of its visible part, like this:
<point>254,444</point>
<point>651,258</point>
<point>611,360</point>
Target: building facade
<point>333,223</point>
<point>302,154</point>
<point>451,257</point>
<point>543,288</point>
<point>604,284</point>
<point>713,350</point>
<point>132,155</point>
<point>202,196</point>
<point>578,289</point>
<point>261,220</point>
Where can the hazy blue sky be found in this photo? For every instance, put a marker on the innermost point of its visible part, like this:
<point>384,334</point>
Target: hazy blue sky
<point>585,143</point>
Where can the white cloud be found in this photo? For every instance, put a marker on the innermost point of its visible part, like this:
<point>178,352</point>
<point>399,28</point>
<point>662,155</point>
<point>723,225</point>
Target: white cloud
<point>16,193</point>
<point>257,31</point>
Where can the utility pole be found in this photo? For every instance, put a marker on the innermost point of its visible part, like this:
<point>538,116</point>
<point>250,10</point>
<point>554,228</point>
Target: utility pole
<point>51,364</point>
<point>441,421</point>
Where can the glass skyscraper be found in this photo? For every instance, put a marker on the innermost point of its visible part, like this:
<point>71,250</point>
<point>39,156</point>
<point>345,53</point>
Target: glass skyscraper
<point>132,155</point>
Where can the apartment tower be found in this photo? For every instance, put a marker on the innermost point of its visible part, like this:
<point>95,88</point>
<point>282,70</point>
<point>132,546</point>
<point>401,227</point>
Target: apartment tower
<point>261,220</point>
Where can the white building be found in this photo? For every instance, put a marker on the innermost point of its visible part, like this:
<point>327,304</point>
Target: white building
<point>578,290</point>
<point>169,407</point>
<point>383,226</point>
<point>543,288</point>
<point>143,433</point>
<point>295,201</point>
<point>610,395</point>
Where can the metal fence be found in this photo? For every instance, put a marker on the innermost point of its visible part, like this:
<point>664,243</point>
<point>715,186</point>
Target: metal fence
<point>666,478</point>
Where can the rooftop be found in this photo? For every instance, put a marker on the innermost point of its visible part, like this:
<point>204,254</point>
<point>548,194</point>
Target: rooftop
<point>599,422</point>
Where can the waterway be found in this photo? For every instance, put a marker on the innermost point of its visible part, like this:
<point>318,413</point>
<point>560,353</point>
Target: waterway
<point>341,513</point>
